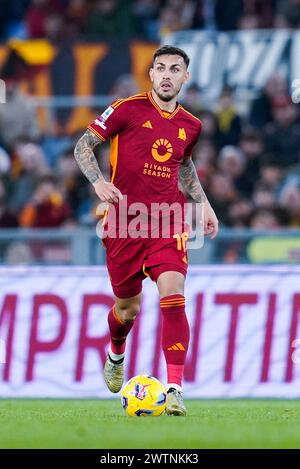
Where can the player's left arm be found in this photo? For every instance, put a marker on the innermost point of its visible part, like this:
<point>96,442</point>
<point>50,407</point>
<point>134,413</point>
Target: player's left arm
<point>189,180</point>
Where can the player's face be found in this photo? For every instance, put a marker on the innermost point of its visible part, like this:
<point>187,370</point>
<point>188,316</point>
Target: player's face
<point>168,75</point>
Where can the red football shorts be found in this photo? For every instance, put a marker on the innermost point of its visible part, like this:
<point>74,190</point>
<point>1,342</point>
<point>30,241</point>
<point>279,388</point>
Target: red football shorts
<point>130,261</point>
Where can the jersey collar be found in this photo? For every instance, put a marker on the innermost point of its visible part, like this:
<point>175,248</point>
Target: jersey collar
<point>166,115</point>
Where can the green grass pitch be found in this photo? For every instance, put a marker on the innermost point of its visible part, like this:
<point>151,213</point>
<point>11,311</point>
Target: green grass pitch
<point>102,424</point>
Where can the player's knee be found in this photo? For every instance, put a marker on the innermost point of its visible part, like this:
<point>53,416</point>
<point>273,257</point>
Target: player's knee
<point>168,291</point>
<point>128,313</point>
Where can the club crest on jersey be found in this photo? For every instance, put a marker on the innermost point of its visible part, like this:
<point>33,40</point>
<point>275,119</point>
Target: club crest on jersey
<point>181,133</point>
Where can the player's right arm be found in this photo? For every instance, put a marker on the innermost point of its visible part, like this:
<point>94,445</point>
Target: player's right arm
<point>87,162</point>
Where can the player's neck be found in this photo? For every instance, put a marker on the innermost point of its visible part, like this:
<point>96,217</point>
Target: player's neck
<point>168,106</point>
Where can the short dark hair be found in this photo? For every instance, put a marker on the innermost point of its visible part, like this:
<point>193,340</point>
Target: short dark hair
<point>171,50</point>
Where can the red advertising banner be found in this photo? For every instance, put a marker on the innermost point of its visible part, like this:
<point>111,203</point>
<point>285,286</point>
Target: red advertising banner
<point>245,334</point>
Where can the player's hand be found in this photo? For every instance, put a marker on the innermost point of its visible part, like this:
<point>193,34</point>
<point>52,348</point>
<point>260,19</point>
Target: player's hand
<point>107,192</point>
<point>211,224</point>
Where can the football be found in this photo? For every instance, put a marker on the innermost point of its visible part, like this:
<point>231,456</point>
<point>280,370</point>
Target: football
<point>143,395</point>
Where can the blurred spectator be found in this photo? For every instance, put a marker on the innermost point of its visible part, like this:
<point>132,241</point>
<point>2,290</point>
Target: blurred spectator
<point>251,143</point>
<point>232,163</point>
<point>205,155</point>
<point>87,212</point>
<point>263,10</point>
<point>221,194</point>
<point>265,219</point>
<point>36,17</point>
<point>72,180</point>
<point>12,13</point>
<point>248,22</point>
<point>229,122</point>
<point>188,12</point>
<point>227,14</point>
<point>263,197</point>
<point>283,136</point>
<point>3,18</point>
<point>47,208</point>
<point>124,86</point>
<point>56,19</point>
<point>288,14</point>
<point>7,218</point>
<point>110,17</point>
<point>261,107</point>
<point>5,163</point>
<point>209,124</point>
<point>239,213</point>
<point>76,14</point>
<point>289,199</point>
<point>169,20</point>
<point>29,166</point>
<point>147,12</point>
<point>271,175</point>
<point>54,143</point>
<point>180,15</point>
<point>54,27</point>
<point>18,118</point>
<point>192,100</point>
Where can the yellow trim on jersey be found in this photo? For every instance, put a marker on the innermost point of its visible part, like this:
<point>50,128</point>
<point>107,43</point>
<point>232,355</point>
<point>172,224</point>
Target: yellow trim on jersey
<point>97,133</point>
<point>190,114</point>
<point>161,111</point>
<point>113,159</point>
<point>116,102</point>
<point>114,143</point>
<point>131,98</point>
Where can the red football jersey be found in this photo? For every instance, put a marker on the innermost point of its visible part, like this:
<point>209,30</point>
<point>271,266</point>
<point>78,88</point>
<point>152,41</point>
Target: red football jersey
<point>148,146</point>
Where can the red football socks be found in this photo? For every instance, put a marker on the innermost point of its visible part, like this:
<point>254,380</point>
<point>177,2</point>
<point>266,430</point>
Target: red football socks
<point>175,336</point>
<point>119,330</point>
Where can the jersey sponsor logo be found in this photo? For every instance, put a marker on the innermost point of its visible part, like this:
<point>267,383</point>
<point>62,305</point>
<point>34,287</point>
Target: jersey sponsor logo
<point>182,134</point>
<point>162,150</point>
<point>157,170</point>
<point>147,124</point>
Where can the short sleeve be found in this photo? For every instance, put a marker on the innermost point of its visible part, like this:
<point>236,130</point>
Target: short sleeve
<point>111,122</point>
<point>189,149</point>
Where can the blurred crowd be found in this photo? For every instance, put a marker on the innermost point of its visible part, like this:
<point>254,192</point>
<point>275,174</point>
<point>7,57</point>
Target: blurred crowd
<point>149,19</point>
<point>248,165</point>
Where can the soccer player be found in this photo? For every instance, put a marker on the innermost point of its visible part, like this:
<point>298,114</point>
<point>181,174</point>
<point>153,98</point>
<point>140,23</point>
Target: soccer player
<point>151,137</point>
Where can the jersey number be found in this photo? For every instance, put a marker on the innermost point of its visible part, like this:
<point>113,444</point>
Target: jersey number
<point>181,241</point>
